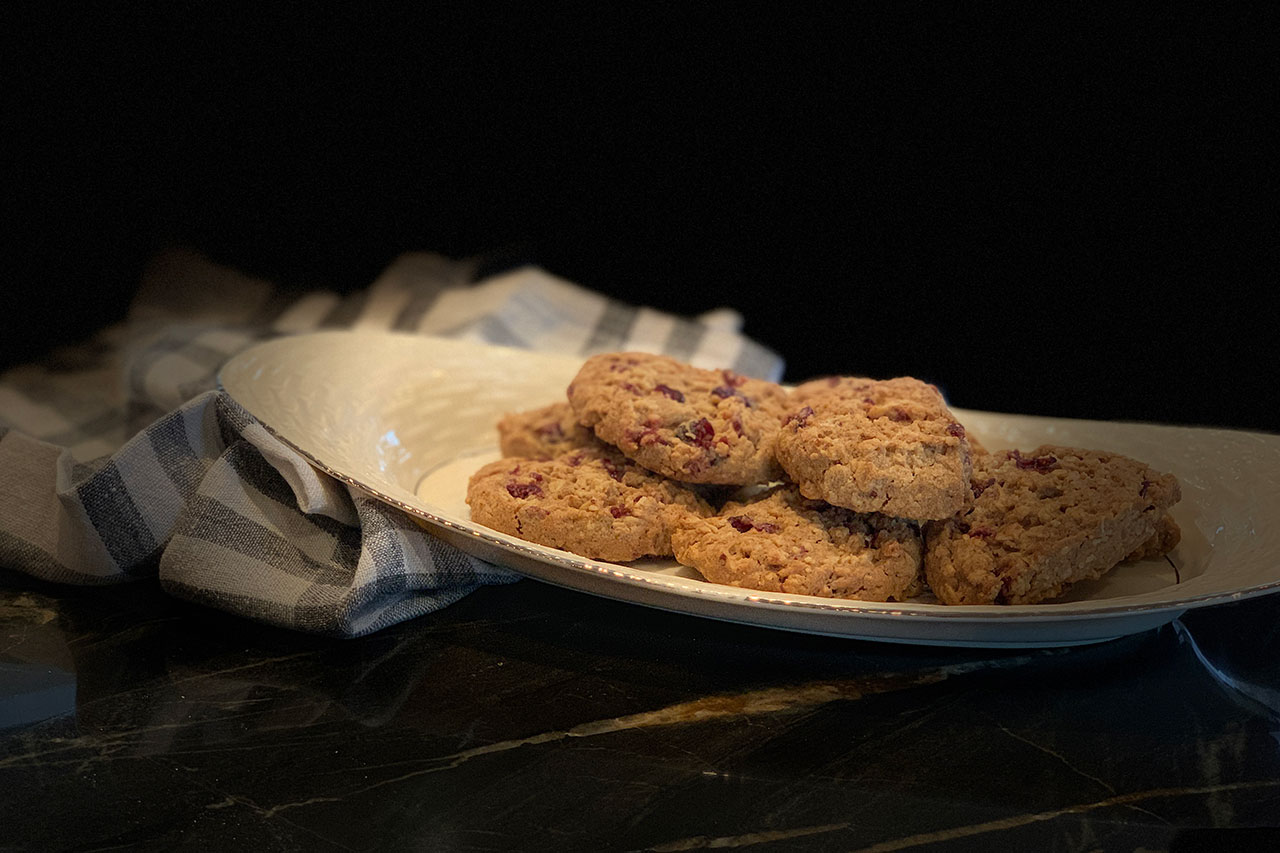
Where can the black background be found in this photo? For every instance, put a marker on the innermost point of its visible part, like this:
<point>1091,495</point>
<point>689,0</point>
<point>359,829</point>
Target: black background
<point>1067,216</point>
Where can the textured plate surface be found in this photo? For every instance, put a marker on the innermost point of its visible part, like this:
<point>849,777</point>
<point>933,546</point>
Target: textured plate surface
<point>408,418</point>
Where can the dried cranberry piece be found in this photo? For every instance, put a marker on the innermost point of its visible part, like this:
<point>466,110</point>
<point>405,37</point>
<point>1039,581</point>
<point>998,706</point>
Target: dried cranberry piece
<point>668,391</point>
<point>645,437</point>
<point>742,524</point>
<point>979,488</point>
<point>724,392</point>
<point>632,388</point>
<point>1146,484</point>
<point>699,433</point>
<point>801,417</point>
<point>955,429</point>
<point>612,468</point>
<point>733,380</point>
<point>1039,464</point>
<point>524,490</point>
<point>982,531</point>
<point>899,415</point>
<point>552,430</point>
<point>619,511</point>
<point>575,460</point>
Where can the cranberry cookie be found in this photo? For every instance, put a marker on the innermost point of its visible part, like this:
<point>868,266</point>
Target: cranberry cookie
<point>781,542</point>
<point>1043,521</point>
<point>889,446</point>
<point>543,433</point>
<point>684,422</point>
<point>593,502</point>
<point>1167,536</point>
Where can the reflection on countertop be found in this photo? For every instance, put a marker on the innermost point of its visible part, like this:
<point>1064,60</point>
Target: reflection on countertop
<point>528,717</point>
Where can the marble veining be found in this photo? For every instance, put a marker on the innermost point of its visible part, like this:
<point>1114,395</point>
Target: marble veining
<point>927,838</point>
<point>702,842</point>
<point>771,701</point>
<point>534,718</point>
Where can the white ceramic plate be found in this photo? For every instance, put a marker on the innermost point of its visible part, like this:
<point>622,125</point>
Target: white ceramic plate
<point>409,418</point>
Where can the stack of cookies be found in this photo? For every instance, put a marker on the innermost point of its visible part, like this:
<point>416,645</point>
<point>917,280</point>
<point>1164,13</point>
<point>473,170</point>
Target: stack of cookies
<point>843,487</point>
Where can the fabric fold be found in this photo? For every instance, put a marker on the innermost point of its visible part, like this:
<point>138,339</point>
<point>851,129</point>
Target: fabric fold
<point>121,459</point>
<point>244,543</point>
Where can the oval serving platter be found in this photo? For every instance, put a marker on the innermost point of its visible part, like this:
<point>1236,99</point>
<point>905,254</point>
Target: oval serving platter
<point>408,418</point>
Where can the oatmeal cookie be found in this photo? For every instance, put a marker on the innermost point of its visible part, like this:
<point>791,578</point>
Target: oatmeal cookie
<point>858,387</point>
<point>1043,521</point>
<point>684,422</point>
<point>782,542</point>
<point>1167,536</point>
<point>543,433</point>
<point>888,446</point>
<point>593,502</point>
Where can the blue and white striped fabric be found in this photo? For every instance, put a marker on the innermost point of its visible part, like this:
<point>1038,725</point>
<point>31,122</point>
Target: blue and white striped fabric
<point>120,460</point>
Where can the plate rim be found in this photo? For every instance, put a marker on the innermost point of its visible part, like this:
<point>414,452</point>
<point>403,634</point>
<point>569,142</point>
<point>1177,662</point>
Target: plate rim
<point>897,611</point>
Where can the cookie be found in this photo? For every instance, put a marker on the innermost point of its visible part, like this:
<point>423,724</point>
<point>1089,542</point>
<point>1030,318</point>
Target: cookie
<point>1167,536</point>
<point>1043,521</point>
<point>543,433</point>
<point>593,502</point>
<point>889,446</point>
<point>903,387</point>
<point>782,542</point>
<point>684,422</point>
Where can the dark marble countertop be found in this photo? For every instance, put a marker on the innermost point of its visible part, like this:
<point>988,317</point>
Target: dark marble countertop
<point>529,717</point>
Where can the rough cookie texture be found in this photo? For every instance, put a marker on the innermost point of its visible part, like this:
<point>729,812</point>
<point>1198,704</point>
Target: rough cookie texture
<point>888,446</point>
<point>543,433</point>
<point>1042,521</point>
<point>593,502</point>
<point>1164,540</point>
<point>902,388</point>
<point>684,422</point>
<point>782,542</point>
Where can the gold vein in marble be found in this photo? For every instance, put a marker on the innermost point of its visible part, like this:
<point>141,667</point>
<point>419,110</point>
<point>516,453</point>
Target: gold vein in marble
<point>28,608</point>
<point>703,842</point>
<point>1015,821</point>
<point>770,700</point>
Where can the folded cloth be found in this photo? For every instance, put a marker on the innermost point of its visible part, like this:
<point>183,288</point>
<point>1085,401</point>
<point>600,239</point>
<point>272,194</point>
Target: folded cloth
<point>120,459</point>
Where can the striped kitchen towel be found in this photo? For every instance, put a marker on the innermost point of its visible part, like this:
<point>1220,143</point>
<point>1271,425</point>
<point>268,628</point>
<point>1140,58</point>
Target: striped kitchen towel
<point>119,458</point>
